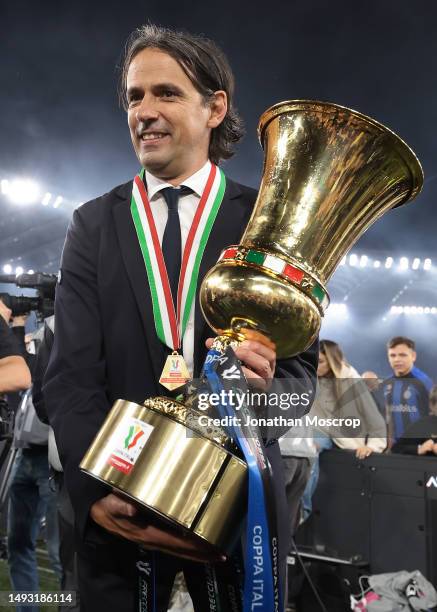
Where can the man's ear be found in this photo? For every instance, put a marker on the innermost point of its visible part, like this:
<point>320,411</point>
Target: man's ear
<point>219,107</point>
<point>414,356</point>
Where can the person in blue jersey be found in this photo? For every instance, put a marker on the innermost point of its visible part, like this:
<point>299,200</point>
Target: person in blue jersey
<point>420,438</point>
<point>406,393</point>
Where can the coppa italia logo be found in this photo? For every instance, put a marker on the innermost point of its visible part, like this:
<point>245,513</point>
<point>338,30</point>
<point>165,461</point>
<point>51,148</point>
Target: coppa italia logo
<point>127,443</point>
<point>135,433</point>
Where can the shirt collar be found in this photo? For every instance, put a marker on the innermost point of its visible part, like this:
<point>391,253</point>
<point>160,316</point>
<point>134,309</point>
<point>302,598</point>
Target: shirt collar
<point>196,182</point>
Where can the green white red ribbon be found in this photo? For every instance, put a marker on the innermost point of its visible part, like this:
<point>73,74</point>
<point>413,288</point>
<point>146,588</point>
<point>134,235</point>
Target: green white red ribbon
<point>171,322</point>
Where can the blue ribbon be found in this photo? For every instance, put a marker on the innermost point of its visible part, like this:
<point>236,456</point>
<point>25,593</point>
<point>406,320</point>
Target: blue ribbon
<point>261,588</point>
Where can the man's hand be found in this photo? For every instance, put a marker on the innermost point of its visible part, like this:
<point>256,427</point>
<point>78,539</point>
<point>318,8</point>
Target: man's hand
<point>363,452</point>
<point>5,312</point>
<point>122,518</point>
<point>426,447</point>
<point>259,362</point>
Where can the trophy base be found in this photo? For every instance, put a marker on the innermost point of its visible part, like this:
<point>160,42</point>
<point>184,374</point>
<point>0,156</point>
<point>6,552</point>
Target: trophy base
<point>187,475</point>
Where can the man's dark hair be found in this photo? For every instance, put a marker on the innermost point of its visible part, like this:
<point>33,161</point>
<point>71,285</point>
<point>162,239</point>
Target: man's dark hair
<point>401,340</point>
<point>205,65</point>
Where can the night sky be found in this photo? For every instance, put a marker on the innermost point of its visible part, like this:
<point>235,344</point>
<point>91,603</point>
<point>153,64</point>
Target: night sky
<point>61,123</point>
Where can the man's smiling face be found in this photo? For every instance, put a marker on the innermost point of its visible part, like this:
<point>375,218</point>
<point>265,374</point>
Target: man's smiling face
<point>169,121</point>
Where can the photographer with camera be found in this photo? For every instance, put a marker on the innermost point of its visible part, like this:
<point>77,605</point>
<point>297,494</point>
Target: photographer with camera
<point>14,373</point>
<point>31,497</point>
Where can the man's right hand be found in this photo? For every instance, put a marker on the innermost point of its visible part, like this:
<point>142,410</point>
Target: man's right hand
<point>122,518</point>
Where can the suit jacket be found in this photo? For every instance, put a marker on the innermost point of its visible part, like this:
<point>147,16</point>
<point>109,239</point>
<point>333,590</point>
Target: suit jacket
<point>105,344</point>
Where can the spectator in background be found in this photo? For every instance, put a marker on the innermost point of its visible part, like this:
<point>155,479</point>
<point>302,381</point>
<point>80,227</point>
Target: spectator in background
<point>14,373</point>
<point>30,495</point>
<point>420,438</point>
<point>342,394</point>
<point>407,391</point>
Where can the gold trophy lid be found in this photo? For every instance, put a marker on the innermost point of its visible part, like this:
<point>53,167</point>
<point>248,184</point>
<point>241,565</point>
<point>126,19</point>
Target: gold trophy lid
<point>314,106</point>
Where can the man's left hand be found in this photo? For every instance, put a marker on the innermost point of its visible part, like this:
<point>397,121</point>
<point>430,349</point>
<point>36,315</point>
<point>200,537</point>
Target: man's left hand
<point>259,362</point>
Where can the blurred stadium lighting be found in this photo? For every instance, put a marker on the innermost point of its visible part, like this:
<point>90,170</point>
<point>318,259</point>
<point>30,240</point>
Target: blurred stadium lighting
<point>7,269</point>
<point>338,308</point>
<point>376,263</point>
<point>389,262</point>
<point>363,261</point>
<point>353,259</point>
<point>46,199</point>
<point>404,263</point>
<point>427,264</point>
<point>58,201</point>
<point>19,270</point>
<point>413,310</point>
<point>22,191</point>
<point>416,263</point>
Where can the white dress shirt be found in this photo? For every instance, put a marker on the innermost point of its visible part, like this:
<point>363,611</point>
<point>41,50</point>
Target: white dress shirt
<point>187,206</point>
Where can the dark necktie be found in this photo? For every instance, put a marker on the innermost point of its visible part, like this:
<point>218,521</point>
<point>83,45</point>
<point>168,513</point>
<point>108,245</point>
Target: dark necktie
<point>171,240</point>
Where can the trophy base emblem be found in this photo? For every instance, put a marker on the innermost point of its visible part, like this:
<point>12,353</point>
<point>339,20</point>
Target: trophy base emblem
<point>159,456</point>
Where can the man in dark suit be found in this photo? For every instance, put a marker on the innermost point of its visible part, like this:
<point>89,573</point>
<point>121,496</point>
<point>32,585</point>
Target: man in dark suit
<point>178,90</point>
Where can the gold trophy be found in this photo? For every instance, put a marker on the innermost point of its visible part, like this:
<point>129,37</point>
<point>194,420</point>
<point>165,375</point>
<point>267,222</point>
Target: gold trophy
<point>329,173</point>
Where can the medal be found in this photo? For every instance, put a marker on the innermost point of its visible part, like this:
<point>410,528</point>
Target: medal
<point>175,372</point>
<point>171,320</point>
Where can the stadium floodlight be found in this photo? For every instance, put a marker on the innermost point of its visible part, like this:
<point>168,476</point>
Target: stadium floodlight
<point>19,270</point>
<point>23,191</point>
<point>31,271</point>
<point>376,263</point>
<point>58,201</point>
<point>353,260</point>
<point>342,262</point>
<point>4,186</point>
<point>389,262</point>
<point>427,264</point>
<point>363,261</point>
<point>404,263</point>
<point>7,269</point>
<point>338,308</point>
<point>46,199</point>
<point>413,310</point>
<point>416,263</point>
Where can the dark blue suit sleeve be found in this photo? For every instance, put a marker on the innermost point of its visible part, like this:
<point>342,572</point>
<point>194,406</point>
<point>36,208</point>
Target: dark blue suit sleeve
<point>75,382</point>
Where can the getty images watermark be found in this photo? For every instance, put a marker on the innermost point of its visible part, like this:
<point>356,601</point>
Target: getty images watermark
<point>279,401</point>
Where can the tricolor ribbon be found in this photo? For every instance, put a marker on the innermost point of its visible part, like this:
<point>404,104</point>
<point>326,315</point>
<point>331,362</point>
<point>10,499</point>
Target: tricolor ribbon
<point>171,322</point>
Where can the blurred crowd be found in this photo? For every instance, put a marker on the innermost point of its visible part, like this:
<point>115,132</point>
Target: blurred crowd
<point>396,415</point>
